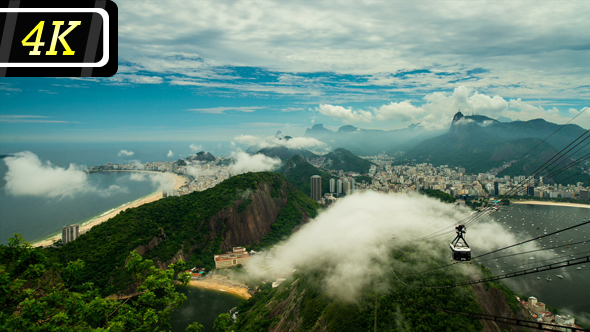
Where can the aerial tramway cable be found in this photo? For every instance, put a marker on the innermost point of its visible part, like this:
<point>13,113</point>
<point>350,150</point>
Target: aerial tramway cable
<point>505,320</point>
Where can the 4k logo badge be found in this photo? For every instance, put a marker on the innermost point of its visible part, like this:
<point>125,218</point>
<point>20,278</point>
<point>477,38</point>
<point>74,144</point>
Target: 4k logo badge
<point>58,41</point>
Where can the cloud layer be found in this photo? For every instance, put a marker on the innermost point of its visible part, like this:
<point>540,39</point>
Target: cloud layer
<point>351,239</point>
<point>438,108</point>
<point>244,162</point>
<point>261,142</point>
<point>126,153</point>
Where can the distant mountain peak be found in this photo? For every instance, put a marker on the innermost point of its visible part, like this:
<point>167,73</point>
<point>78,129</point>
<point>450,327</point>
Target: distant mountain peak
<point>347,129</point>
<point>458,116</point>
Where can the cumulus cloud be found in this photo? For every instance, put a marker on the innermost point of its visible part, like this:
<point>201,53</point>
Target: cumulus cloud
<point>346,114</point>
<point>244,162</point>
<point>196,147</point>
<point>262,142</point>
<point>351,239</point>
<point>170,154</point>
<point>125,153</point>
<point>161,181</point>
<point>27,175</point>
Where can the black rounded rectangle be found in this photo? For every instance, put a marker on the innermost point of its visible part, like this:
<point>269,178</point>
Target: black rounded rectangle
<point>52,40</point>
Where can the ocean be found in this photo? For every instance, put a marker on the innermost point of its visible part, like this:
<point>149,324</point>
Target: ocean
<point>527,221</point>
<point>40,217</point>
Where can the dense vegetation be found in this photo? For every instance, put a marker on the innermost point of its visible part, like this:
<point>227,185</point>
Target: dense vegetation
<point>440,195</point>
<point>299,172</point>
<point>39,295</point>
<point>178,223</point>
<point>301,305</point>
<point>342,159</point>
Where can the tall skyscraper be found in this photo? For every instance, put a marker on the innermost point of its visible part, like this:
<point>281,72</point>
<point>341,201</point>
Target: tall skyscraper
<point>496,188</point>
<point>345,186</point>
<point>69,233</point>
<point>316,188</point>
<point>339,187</point>
<point>352,185</point>
<point>332,185</point>
<point>530,190</point>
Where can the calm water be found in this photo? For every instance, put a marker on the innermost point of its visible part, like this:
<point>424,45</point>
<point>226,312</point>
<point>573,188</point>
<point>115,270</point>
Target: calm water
<point>36,218</point>
<point>573,291</point>
<point>203,306</point>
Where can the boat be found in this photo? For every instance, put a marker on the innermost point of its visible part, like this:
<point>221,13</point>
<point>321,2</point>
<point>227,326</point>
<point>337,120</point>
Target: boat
<point>548,279</point>
<point>560,276</point>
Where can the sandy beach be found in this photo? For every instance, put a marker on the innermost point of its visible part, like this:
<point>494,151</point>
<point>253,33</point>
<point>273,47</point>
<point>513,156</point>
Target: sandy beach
<point>180,181</point>
<point>585,206</point>
<point>222,284</point>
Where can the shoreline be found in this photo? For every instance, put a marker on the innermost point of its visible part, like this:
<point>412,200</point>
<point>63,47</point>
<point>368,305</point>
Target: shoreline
<point>221,286</point>
<point>584,206</point>
<point>86,225</point>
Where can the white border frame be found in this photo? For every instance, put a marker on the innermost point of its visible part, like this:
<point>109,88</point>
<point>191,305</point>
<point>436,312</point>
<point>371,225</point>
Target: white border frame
<point>105,39</point>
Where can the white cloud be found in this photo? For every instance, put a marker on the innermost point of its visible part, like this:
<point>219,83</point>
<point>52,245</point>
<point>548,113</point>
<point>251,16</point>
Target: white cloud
<point>319,244</point>
<point>271,141</point>
<point>27,175</point>
<point>220,110</point>
<point>346,114</point>
<point>244,162</point>
<point>196,148</point>
<point>125,153</point>
<point>525,52</point>
<point>403,111</point>
<point>170,154</point>
<point>29,119</point>
<point>161,181</point>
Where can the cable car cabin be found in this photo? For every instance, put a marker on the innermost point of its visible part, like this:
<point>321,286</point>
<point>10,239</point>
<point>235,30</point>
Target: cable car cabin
<point>460,251</point>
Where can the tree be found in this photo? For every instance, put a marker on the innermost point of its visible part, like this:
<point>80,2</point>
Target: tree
<point>195,327</point>
<point>221,323</point>
<point>38,295</point>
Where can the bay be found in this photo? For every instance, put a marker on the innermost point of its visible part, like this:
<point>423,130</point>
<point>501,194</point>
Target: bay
<point>527,221</point>
<point>203,306</point>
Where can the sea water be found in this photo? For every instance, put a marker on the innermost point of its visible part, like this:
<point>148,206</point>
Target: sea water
<point>573,291</point>
<point>37,218</point>
<point>203,306</point>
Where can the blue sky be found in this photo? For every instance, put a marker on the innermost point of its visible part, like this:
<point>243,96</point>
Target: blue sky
<point>212,70</point>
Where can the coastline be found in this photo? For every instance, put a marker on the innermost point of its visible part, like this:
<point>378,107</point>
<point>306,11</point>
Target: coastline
<point>85,226</point>
<point>584,206</point>
<point>222,286</point>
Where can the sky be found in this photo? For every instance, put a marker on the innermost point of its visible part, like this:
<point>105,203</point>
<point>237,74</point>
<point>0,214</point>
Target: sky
<point>204,71</point>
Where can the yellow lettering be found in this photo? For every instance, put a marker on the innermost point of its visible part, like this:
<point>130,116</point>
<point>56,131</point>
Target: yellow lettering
<point>61,37</point>
<point>37,43</point>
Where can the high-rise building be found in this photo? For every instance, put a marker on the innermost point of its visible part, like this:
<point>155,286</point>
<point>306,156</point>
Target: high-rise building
<point>345,186</point>
<point>332,185</point>
<point>530,190</point>
<point>339,187</point>
<point>352,185</point>
<point>316,188</point>
<point>69,233</point>
<point>584,195</point>
<point>496,188</point>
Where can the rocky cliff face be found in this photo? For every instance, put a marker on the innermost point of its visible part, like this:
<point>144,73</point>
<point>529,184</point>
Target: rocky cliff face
<point>243,228</point>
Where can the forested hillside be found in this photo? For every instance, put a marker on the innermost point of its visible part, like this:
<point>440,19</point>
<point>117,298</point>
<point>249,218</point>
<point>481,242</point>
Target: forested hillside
<point>300,304</point>
<point>248,209</point>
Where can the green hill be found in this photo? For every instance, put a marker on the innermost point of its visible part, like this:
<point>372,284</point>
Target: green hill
<point>299,172</point>
<point>301,304</point>
<point>342,159</point>
<point>285,153</point>
<point>248,209</point>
